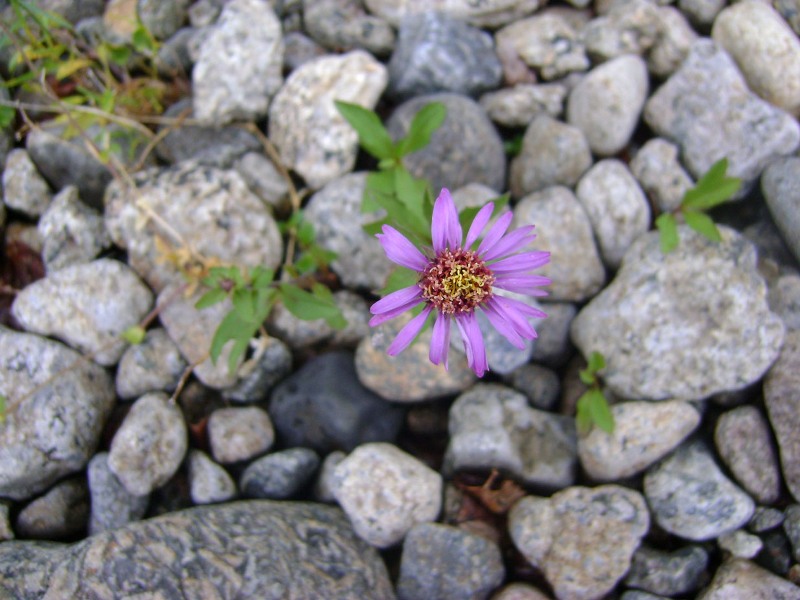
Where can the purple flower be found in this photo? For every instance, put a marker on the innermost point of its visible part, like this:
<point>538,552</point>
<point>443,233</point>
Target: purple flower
<point>454,280</point>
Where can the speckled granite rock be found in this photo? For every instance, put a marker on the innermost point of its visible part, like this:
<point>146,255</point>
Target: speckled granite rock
<point>489,13</point>
<point>739,579</point>
<point>256,549</point>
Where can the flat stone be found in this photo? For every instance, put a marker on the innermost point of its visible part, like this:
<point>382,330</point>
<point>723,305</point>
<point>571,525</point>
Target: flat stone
<point>744,443</point>
<point>207,209</point>
<point>62,512</point>
<point>256,549</point>
<point>279,475</point>
<point>312,137</point>
<point>699,311</point>
<point>46,383</point>
<point>643,433</point>
<point>385,492</point>
<point>782,400</point>
<point>154,365</point>
<point>690,496</point>
<point>563,228</point>
<point>209,482</point>
<point>87,306</point>
<point>112,505</point>
<point>24,189</point>
<point>150,444</point>
<point>707,109</point>
<point>239,433</point>
<point>492,426</point>
<point>739,579</point>
<point>238,68</point>
<point>668,573</point>
<point>581,538</point>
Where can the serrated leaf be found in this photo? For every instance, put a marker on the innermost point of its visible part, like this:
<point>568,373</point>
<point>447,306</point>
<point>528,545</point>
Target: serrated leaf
<point>67,68</point>
<point>307,306</point>
<point>600,412</point>
<point>398,279</point>
<point>134,335</point>
<point>702,224</point>
<point>429,118</point>
<point>668,232</point>
<point>712,189</point>
<point>210,298</point>
<point>372,135</point>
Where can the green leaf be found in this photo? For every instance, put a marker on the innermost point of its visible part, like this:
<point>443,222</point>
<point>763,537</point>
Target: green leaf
<point>67,68</point>
<point>712,189</point>
<point>596,362</point>
<point>668,230</point>
<point>261,277</point>
<point>587,377</point>
<point>134,334</point>
<point>702,224</point>
<point>398,279</point>
<point>583,416</point>
<point>429,118</point>
<point>372,135</point>
<point>143,41</point>
<point>210,298</point>
<point>7,116</point>
<point>600,412</point>
<point>305,233</point>
<point>335,320</point>
<point>3,403</point>
<point>305,264</point>
<point>380,183</point>
<point>513,146</point>
<point>244,304</point>
<point>310,307</point>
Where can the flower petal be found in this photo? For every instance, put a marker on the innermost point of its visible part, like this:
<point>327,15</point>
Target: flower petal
<point>515,317</point>
<point>496,232</point>
<point>523,284</point>
<point>440,342</point>
<point>478,223</point>
<point>395,304</point>
<point>473,343</point>
<point>513,242</point>
<point>445,228</point>
<point>524,261</point>
<point>501,324</point>
<point>401,251</point>
<point>408,332</point>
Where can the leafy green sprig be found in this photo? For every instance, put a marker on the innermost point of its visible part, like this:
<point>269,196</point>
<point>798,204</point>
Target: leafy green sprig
<point>712,189</point>
<point>592,406</point>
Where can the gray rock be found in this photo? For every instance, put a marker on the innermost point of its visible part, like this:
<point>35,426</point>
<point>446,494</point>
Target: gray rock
<point>740,544</point>
<point>784,299</point>
<point>279,475</point>
<point>207,210</point>
<point>699,311</point>
<point>765,518</point>
<point>581,538</point>
<point>777,553</point>
<point>637,595</point>
<point>154,365</point>
<point>519,591</point>
<point>553,347</point>
<point>517,106</point>
<point>780,184</point>
<point>385,492</point>
<point>643,433</point>
<point>706,108</point>
<point>324,406</point>
<point>162,19</point>
<point>335,212</point>
<point>86,305</point>
<point>540,385</point>
<point>739,579</point>
<point>441,561</point>
<point>606,104</point>
<point>256,549</point>
<point>789,10</point>
<point>239,433</point>
<point>238,67</point>
<point>744,444</point>
<point>765,49</point>
<point>150,444</point>
<point>299,49</point>
<point>263,179</point>
<point>439,53</point>
<point>112,506</point>
<point>208,481</point>
<point>73,233</point>
<point>629,27</point>
<point>173,56</point>
<point>57,404</point>
<point>490,13</point>
<point>659,172</point>
<point>465,149</point>
<point>792,528</point>
<point>563,228</point>
<point>345,25</point>
<point>204,12</point>
<point>213,146</point>
<point>616,206</point>
<point>546,42</point>
<point>271,362</point>
<point>312,137</point>
<point>24,189</point>
<point>668,573</point>
<point>673,43</point>
<point>6,533</point>
<point>553,153</point>
<point>690,496</point>
<point>323,486</point>
<point>783,408</point>
<point>410,376</point>
<point>701,12</point>
<point>71,10</point>
<point>492,426</point>
<point>62,512</point>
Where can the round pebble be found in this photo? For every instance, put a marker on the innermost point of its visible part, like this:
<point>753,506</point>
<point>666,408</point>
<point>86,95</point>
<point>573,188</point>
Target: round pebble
<point>279,475</point>
<point>239,433</point>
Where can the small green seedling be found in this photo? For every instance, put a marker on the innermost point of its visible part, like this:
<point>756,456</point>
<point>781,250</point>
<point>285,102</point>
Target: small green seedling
<point>134,334</point>
<point>592,405</point>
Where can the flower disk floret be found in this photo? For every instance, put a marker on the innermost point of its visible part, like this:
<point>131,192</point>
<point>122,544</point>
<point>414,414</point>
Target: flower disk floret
<point>454,281</point>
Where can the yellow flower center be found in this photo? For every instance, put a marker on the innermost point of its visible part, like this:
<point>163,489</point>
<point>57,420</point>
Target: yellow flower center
<point>456,281</point>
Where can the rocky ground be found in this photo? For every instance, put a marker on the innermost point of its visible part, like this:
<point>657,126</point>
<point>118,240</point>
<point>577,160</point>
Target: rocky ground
<point>323,468</point>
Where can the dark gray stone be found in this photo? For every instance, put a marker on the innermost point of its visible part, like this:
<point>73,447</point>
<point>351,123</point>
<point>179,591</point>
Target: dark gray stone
<point>324,406</point>
<point>162,18</point>
<point>765,518</point>
<point>342,25</point>
<point>112,506</point>
<point>280,475</point>
<point>439,53</point>
<point>668,573</point>
<point>273,363</point>
<point>264,550</point>
<point>465,149</point>
<point>61,512</point>
<point>792,528</point>
<point>441,561</point>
